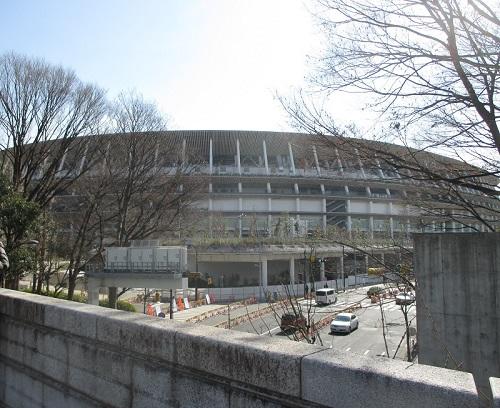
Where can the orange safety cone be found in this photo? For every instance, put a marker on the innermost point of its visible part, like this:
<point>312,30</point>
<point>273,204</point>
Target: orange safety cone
<point>180,304</point>
<point>150,311</point>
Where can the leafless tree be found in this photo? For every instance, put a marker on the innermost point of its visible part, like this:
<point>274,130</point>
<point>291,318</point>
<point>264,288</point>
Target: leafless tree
<point>429,68</point>
<point>431,60</point>
<point>43,111</point>
<point>129,113</point>
<point>85,222</point>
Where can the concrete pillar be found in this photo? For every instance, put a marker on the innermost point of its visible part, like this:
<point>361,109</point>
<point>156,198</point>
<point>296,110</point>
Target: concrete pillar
<point>210,158</point>
<point>291,267</point>
<point>238,157</point>
<point>263,277</point>
<point>366,263</point>
<point>322,270</point>
<point>340,270</point>
<point>93,292</point>
<point>264,150</point>
<point>316,161</point>
<point>292,162</point>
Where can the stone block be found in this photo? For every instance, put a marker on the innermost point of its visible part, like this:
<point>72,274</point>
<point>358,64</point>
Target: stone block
<point>112,366</point>
<point>55,398</point>
<point>149,336</point>
<point>48,357</point>
<point>240,399</point>
<point>98,387</point>
<point>73,318</point>
<point>21,390</point>
<point>336,379</point>
<point>495,392</point>
<point>193,393</point>
<point>151,385</point>
<point>259,361</point>
<point>3,379</point>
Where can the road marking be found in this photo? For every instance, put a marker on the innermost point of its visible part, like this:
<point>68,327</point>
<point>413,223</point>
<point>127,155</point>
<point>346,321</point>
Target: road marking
<point>366,352</point>
<point>347,349</point>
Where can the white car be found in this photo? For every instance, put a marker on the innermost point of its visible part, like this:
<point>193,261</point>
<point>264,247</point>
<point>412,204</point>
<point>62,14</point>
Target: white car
<point>344,323</point>
<point>405,298</point>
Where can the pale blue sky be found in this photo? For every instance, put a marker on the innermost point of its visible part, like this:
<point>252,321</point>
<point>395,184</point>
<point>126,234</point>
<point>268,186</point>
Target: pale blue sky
<point>209,64</point>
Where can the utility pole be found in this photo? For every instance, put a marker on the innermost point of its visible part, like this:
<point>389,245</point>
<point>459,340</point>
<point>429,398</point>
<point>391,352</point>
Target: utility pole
<point>171,306</point>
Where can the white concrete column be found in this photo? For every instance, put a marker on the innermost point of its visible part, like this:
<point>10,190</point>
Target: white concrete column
<point>360,163</point>
<point>322,271</point>
<point>316,161</point>
<point>263,277</point>
<point>292,163</point>
<point>291,263</point>
<point>269,216</point>
<point>264,149</point>
<point>240,209</point>
<point>339,161</point>
<point>238,158</point>
<point>61,164</point>
<point>84,157</point>
<point>340,269</point>
<point>211,158</point>
<point>93,292</point>
<point>183,151</point>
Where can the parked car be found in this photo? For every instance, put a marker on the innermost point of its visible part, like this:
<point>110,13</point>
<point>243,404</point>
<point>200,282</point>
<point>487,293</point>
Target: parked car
<point>405,298</point>
<point>292,322</point>
<point>325,296</point>
<point>344,323</point>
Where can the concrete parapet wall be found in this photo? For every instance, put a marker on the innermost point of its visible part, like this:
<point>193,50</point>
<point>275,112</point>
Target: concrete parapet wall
<point>55,353</point>
<point>458,298</point>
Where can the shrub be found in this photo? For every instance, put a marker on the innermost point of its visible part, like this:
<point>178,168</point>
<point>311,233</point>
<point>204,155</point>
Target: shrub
<point>374,290</point>
<point>120,305</point>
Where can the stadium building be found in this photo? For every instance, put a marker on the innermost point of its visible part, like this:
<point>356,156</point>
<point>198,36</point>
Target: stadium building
<point>258,184</point>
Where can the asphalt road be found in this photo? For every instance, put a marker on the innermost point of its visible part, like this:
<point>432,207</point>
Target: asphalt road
<point>368,339</point>
<point>269,323</point>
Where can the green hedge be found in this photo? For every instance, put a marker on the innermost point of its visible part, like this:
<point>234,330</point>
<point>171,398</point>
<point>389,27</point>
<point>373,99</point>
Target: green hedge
<point>120,305</point>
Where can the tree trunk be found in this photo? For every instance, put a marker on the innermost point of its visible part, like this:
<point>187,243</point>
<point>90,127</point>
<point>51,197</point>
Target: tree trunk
<point>71,285</point>
<point>112,298</point>
<point>408,351</point>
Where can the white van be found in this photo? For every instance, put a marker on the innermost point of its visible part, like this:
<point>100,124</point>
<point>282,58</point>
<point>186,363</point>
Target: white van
<point>325,296</point>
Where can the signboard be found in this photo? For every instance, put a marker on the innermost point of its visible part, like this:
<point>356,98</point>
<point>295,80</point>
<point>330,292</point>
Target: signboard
<point>157,307</point>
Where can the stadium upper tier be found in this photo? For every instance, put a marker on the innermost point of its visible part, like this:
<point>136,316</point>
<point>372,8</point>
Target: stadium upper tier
<point>260,182</point>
